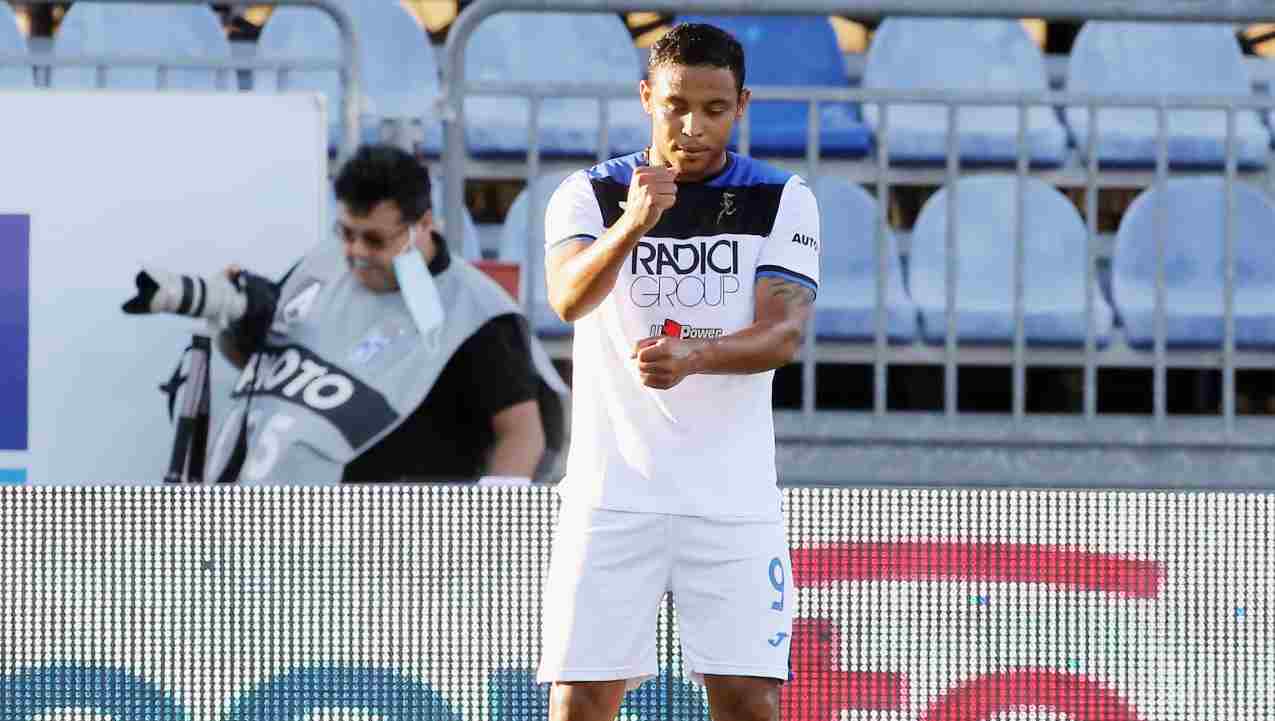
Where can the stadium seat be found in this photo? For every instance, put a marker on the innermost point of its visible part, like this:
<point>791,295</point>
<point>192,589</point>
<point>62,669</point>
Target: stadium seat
<point>794,51</point>
<point>513,248</point>
<point>1055,254</point>
<point>845,309</point>
<point>12,43</point>
<point>1194,258</point>
<point>553,48</point>
<point>968,55</point>
<point>400,72</point>
<point>170,31</point>
<point>1150,60</point>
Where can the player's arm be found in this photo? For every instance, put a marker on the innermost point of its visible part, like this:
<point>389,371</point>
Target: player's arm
<point>787,280</point>
<point>581,271</point>
<point>773,340</point>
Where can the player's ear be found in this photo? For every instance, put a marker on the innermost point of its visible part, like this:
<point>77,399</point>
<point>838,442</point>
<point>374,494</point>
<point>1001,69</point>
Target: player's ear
<point>644,92</point>
<point>744,96</point>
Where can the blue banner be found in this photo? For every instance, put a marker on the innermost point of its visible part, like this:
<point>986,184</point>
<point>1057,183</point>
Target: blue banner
<point>15,308</point>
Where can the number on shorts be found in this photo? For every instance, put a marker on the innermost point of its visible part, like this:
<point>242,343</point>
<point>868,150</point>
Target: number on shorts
<point>777,581</point>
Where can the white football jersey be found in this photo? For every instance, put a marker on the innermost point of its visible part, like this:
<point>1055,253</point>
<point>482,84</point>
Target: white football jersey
<point>707,446</point>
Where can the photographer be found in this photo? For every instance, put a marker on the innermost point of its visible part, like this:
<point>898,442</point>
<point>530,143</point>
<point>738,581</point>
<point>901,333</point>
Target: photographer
<point>383,356</point>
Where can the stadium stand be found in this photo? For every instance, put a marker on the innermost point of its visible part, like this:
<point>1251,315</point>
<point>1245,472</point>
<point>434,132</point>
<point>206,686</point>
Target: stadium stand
<point>159,31</point>
<point>513,248</point>
<point>1054,246</point>
<point>400,71</point>
<point>796,51</point>
<point>845,310</point>
<point>12,42</point>
<point>553,48</point>
<point>1194,262</point>
<point>971,55</point>
<point>1150,60</point>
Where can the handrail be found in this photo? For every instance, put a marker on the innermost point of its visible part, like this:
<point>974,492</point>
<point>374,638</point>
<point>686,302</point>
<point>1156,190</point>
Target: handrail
<point>455,86</point>
<point>350,69</point>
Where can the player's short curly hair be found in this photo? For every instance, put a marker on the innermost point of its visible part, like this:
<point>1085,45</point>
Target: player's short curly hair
<point>383,172</point>
<point>699,44</point>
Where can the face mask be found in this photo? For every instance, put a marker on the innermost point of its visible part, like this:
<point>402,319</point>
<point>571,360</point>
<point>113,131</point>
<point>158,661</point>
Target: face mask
<point>419,292</point>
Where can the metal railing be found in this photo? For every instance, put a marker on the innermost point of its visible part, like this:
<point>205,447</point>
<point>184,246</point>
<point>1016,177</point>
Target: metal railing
<point>348,67</point>
<point>1113,434</point>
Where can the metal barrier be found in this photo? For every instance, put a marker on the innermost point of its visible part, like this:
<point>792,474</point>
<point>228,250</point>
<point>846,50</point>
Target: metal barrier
<point>348,67</point>
<point>1227,433</point>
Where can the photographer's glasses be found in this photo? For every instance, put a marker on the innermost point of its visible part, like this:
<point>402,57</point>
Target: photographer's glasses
<point>373,239</point>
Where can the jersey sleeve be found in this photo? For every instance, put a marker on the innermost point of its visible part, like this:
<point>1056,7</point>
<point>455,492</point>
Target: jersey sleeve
<point>791,251</point>
<point>572,212</point>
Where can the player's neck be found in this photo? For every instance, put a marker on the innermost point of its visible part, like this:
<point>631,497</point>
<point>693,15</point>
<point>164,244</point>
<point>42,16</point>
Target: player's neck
<point>655,159</point>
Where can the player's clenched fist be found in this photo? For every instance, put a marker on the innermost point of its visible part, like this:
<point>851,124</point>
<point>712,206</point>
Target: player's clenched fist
<point>651,192</point>
<point>663,362</point>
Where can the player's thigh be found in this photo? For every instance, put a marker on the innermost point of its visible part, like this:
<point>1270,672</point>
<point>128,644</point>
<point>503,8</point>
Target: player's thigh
<point>608,572</point>
<point>732,586</point>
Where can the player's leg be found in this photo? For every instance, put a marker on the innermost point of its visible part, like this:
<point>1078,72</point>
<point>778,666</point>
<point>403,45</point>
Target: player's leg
<point>743,698</point>
<point>585,700</point>
<point>732,585</point>
<point>608,574</point>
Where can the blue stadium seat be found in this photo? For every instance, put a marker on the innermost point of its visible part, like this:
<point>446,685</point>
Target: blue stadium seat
<point>969,55</point>
<point>847,300</point>
<point>12,42</point>
<point>513,248</point>
<point>400,71</point>
<point>1194,257</point>
<point>553,48</point>
<point>1150,60</point>
<point>190,31</point>
<point>801,51</point>
<point>1054,265</point>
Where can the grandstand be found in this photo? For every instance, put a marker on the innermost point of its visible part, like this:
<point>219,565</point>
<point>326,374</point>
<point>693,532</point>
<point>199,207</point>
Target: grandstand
<point>1074,106</point>
<point>1048,263</point>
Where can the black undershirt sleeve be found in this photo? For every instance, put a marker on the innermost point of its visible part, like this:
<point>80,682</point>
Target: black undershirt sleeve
<point>499,366</point>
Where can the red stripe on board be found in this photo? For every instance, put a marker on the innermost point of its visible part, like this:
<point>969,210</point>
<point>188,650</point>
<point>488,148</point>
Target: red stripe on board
<point>984,562</point>
<point>986,697</point>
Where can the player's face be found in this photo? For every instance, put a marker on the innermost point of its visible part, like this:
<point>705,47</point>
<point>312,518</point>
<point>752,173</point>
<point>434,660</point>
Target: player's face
<point>693,109</point>
<point>371,241</point>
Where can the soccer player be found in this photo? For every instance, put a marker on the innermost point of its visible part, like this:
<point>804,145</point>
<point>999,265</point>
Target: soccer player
<point>690,273</point>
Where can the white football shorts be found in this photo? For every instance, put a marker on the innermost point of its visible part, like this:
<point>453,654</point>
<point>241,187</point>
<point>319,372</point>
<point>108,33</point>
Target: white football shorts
<point>731,583</point>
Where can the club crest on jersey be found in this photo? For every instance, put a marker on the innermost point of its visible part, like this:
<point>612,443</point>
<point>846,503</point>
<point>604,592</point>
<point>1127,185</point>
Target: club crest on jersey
<point>728,207</point>
<point>673,329</point>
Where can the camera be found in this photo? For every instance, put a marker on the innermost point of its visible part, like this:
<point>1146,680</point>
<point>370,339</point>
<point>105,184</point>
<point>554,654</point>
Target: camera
<point>244,304</point>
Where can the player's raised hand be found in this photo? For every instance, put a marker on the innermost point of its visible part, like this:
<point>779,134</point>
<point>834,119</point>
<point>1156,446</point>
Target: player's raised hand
<point>663,362</point>
<point>651,192</point>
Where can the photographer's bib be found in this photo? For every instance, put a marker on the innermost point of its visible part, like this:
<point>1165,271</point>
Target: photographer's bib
<point>342,367</point>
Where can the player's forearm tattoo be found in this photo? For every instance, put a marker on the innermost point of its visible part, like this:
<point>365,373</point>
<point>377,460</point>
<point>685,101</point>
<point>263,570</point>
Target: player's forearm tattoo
<point>794,295</point>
